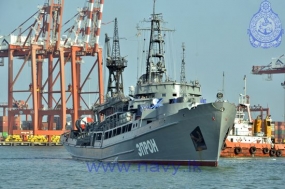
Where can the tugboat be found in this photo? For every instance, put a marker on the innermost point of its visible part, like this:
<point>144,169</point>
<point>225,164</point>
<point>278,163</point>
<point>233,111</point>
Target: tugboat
<point>161,121</point>
<point>246,138</point>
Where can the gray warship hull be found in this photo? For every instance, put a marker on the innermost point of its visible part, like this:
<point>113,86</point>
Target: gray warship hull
<point>190,136</point>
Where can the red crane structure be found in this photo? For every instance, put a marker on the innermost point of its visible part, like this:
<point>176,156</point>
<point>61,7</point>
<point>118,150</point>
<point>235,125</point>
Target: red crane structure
<point>42,42</point>
<point>258,108</point>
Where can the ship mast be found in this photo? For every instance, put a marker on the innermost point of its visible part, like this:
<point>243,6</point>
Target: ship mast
<point>155,61</point>
<point>155,64</point>
<point>182,73</point>
<point>115,64</point>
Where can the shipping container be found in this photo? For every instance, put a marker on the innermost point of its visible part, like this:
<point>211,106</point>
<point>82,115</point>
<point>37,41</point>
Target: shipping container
<point>3,118</point>
<point>57,121</point>
<point>45,126</point>
<point>26,125</point>
<point>3,128</point>
<point>4,123</point>
<point>16,127</point>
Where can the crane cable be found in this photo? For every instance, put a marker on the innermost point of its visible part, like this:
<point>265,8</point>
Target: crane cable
<point>24,22</point>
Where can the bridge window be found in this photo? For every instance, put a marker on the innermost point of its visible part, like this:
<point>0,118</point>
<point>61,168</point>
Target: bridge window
<point>119,130</point>
<point>124,129</point>
<point>114,132</point>
<point>98,136</point>
<point>106,135</point>
<point>129,127</point>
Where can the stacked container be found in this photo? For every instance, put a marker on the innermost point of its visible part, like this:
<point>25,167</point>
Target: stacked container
<point>3,124</point>
<point>279,132</point>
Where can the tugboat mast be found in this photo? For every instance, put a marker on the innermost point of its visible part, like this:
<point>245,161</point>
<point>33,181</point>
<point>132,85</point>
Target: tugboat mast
<point>116,65</point>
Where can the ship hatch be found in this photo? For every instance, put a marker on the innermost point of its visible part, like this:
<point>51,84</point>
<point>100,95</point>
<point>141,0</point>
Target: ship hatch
<point>198,139</point>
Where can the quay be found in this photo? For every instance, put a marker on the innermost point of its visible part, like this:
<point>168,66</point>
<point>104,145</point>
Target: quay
<point>30,144</point>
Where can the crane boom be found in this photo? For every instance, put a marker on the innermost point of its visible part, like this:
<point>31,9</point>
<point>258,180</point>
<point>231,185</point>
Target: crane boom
<point>276,66</point>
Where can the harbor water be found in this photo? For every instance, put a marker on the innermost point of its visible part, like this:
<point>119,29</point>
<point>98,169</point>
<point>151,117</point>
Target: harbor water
<point>52,167</point>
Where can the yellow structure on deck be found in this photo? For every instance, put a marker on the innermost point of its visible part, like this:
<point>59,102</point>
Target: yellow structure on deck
<point>257,125</point>
<point>267,126</point>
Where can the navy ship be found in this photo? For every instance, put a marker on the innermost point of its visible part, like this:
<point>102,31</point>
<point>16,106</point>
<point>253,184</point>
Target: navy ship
<point>161,121</point>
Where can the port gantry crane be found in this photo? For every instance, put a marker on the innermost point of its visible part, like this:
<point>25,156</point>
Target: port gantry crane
<point>276,66</point>
<point>43,40</point>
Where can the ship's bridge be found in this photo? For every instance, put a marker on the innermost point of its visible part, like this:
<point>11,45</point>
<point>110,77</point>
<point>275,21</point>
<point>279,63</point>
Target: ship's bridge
<point>168,91</point>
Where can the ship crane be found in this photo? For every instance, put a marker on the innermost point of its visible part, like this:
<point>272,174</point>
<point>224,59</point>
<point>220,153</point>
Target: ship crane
<point>115,63</point>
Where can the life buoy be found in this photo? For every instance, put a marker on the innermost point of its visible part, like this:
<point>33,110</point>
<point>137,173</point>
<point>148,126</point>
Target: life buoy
<point>272,152</point>
<point>237,150</point>
<point>278,153</point>
<point>252,150</point>
<point>265,150</point>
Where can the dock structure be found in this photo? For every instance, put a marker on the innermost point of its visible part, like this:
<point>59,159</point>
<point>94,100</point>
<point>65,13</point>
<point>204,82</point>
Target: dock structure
<point>29,144</point>
<point>38,40</point>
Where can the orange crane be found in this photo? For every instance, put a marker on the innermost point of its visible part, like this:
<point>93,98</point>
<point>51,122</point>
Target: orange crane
<point>44,40</point>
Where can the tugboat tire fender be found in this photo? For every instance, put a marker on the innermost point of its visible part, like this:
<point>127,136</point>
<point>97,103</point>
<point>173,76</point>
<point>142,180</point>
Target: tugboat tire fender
<point>265,150</point>
<point>237,150</point>
<point>252,150</point>
<point>278,153</point>
<point>272,152</point>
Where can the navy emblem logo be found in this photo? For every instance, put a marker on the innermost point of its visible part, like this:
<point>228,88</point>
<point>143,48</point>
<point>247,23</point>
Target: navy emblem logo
<point>265,28</point>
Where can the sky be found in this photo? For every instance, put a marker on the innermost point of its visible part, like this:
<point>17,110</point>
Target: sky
<point>215,34</point>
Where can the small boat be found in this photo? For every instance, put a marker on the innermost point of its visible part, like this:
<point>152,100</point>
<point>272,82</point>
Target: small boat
<point>246,138</point>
